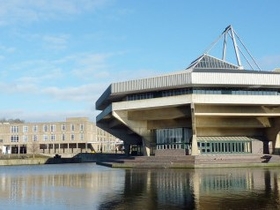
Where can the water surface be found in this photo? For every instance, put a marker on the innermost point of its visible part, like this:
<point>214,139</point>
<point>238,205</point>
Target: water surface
<point>89,186</point>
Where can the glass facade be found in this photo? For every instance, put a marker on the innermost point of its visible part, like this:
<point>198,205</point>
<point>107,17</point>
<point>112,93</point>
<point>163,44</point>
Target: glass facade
<point>180,138</point>
<point>218,91</point>
<point>173,138</point>
<point>224,147</point>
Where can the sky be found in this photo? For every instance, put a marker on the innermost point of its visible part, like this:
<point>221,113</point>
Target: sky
<point>58,56</point>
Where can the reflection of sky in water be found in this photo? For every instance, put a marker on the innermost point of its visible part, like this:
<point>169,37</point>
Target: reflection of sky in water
<point>88,186</point>
<point>67,186</point>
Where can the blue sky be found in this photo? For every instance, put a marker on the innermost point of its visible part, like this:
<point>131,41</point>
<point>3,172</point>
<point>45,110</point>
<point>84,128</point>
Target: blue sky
<point>58,56</point>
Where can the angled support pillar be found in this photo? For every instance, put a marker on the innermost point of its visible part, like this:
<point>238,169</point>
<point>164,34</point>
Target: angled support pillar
<point>137,126</point>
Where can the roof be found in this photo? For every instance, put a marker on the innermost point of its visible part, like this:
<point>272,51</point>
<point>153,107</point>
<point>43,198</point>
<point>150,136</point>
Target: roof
<point>209,62</point>
<point>228,138</point>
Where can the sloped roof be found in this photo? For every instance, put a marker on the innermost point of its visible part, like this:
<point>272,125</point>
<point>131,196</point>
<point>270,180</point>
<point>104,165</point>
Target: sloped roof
<point>228,138</point>
<point>209,62</point>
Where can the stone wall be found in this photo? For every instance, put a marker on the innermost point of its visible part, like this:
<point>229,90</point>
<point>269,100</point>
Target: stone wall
<point>170,152</point>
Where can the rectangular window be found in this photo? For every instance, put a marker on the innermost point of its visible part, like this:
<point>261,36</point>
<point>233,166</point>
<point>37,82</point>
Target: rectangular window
<point>82,136</point>
<point>63,137</point>
<point>14,138</point>
<point>82,127</point>
<point>14,129</point>
<point>25,138</point>
<point>45,137</point>
<point>53,137</point>
<point>72,127</point>
<point>35,128</point>
<point>35,138</point>
<point>72,137</point>
<point>52,127</point>
<point>63,127</point>
<point>45,128</point>
<point>25,129</point>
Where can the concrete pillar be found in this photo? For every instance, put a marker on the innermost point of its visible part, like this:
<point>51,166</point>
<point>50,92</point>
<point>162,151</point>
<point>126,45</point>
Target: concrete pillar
<point>146,147</point>
<point>194,146</point>
<point>194,138</point>
<point>126,149</point>
<point>277,145</point>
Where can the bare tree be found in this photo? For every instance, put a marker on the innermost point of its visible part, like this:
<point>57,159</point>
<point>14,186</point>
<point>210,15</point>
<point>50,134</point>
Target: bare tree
<point>34,148</point>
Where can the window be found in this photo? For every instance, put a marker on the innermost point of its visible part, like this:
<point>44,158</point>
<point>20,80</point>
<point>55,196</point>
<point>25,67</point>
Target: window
<point>82,127</point>
<point>14,138</point>
<point>25,129</point>
<point>14,129</point>
<point>72,137</point>
<point>35,138</point>
<point>35,128</point>
<point>72,127</point>
<point>82,136</point>
<point>52,127</point>
<point>25,138</point>
<point>53,137</point>
<point>225,147</point>
<point>63,127</point>
<point>45,137</point>
<point>63,137</point>
<point>45,128</point>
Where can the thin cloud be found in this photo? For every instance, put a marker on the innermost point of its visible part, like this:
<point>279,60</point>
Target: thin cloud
<point>13,11</point>
<point>47,116</point>
<point>6,49</point>
<point>92,65</point>
<point>14,87</point>
<point>270,62</point>
<point>55,42</point>
<point>80,93</point>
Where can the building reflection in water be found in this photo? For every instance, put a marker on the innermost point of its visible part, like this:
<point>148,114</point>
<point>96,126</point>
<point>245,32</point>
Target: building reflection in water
<point>89,186</point>
<point>199,189</point>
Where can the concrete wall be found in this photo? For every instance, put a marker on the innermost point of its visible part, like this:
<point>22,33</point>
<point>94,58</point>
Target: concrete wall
<point>258,147</point>
<point>29,161</point>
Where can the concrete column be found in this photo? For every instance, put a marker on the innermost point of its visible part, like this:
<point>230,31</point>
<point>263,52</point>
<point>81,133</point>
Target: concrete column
<point>277,145</point>
<point>127,149</point>
<point>194,146</point>
<point>146,147</point>
<point>194,137</point>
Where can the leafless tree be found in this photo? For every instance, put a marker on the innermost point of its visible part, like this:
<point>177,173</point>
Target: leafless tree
<point>34,148</point>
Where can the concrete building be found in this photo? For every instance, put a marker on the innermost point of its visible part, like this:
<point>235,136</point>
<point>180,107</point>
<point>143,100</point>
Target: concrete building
<point>68,138</point>
<point>211,107</point>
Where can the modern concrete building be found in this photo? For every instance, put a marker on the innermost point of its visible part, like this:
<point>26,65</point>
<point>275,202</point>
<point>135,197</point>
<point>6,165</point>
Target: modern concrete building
<point>68,138</point>
<point>211,107</point>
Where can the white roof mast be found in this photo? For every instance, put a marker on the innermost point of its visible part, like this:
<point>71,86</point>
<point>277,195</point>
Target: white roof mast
<point>230,29</point>
<point>232,34</point>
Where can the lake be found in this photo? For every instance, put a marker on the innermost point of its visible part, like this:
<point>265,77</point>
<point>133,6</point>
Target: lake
<point>89,186</point>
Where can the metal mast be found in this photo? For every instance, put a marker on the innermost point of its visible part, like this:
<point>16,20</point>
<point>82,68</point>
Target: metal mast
<point>237,50</point>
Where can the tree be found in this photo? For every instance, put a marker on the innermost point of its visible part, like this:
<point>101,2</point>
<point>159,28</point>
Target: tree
<point>17,120</point>
<point>34,148</point>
